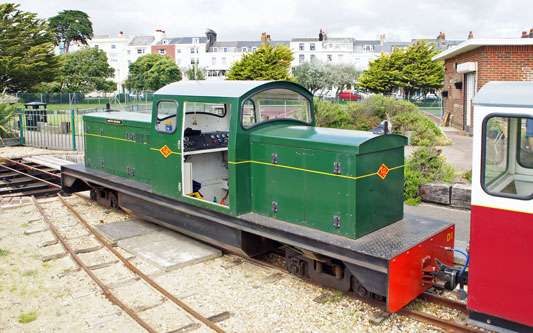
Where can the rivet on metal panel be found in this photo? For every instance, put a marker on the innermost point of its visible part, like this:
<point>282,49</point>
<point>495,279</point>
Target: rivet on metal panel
<point>101,131</point>
<point>274,206</point>
<point>337,221</point>
<point>102,162</point>
<point>274,158</point>
<point>128,170</point>
<point>337,168</point>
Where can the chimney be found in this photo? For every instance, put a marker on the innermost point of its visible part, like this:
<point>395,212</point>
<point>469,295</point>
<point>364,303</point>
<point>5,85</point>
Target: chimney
<point>263,39</point>
<point>524,34</point>
<point>211,36</point>
<point>470,35</point>
<point>320,36</point>
<point>268,38</point>
<point>325,36</point>
<point>159,35</point>
<point>381,39</point>
<point>530,33</point>
<point>441,37</point>
<point>121,34</point>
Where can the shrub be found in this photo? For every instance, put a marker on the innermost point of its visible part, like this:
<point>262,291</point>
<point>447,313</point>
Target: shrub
<point>328,114</point>
<point>7,113</point>
<point>423,166</point>
<point>27,317</point>
<point>424,131</point>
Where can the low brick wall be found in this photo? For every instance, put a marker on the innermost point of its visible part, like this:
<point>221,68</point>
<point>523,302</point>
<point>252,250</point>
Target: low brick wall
<point>449,194</point>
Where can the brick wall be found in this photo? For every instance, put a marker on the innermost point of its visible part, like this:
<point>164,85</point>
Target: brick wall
<point>495,63</point>
<point>170,50</point>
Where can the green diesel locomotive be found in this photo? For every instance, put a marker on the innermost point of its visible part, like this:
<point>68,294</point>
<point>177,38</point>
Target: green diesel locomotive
<point>240,164</point>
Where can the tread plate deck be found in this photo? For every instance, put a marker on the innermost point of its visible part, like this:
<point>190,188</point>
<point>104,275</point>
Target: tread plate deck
<point>385,243</point>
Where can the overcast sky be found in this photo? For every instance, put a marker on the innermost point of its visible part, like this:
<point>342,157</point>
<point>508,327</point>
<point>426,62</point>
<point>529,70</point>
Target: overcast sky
<point>285,19</point>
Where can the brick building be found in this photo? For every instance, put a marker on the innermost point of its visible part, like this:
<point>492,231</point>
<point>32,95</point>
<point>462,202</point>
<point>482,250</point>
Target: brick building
<point>473,63</point>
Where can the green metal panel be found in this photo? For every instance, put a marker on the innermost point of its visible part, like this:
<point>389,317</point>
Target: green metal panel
<point>277,183</point>
<point>328,195</point>
<point>379,202</point>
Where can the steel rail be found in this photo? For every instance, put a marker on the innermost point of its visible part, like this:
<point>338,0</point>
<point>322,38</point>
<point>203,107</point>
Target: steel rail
<point>30,167</point>
<point>78,261</point>
<point>138,272</point>
<point>406,312</point>
<point>28,175</point>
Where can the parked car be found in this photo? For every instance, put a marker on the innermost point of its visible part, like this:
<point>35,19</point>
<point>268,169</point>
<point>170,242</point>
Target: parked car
<point>349,96</point>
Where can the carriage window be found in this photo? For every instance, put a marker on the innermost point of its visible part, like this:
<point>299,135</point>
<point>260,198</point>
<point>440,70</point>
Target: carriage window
<point>166,116</point>
<point>275,104</point>
<point>525,151</point>
<point>507,164</point>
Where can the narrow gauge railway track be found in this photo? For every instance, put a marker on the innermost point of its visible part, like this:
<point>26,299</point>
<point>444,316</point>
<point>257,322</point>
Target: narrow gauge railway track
<point>106,291</point>
<point>27,179</point>
<point>17,167</point>
<point>406,312</point>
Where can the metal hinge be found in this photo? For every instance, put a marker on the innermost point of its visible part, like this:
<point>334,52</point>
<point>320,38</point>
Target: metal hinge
<point>337,168</point>
<point>337,221</point>
<point>133,171</point>
<point>102,162</point>
<point>274,158</point>
<point>127,137</point>
<point>128,170</point>
<point>88,129</point>
<point>274,206</point>
<point>101,131</point>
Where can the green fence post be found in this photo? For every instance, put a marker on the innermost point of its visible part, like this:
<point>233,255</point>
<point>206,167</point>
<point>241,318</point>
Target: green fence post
<point>73,128</point>
<point>20,127</point>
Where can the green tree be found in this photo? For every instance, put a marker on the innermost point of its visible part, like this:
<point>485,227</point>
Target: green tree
<point>410,69</point>
<point>151,72</point>
<point>314,76</point>
<point>26,50</point>
<point>419,73</point>
<point>71,26</point>
<point>85,70</point>
<point>320,77</point>
<point>383,74</point>
<point>266,63</point>
<point>195,73</point>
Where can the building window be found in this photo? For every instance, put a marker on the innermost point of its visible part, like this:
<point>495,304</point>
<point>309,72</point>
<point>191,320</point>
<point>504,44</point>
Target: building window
<point>96,47</point>
<point>195,40</point>
<point>129,51</point>
<point>301,46</point>
<point>254,49</point>
<point>140,51</point>
<point>179,61</point>
<point>225,49</point>
<point>312,46</point>
<point>301,58</point>
<point>330,57</point>
<point>195,61</point>
<point>178,50</point>
<point>244,49</point>
<point>192,49</point>
<point>214,49</point>
<point>223,61</point>
<point>162,51</point>
<point>213,61</point>
<point>340,58</point>
<point>113,46</point>
<point>129,62</point>
<point>368,48</point>
<point>313,57</point>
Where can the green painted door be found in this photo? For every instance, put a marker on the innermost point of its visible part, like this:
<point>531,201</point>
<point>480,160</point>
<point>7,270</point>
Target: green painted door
<point>278,182</point>
<point>330,194</point>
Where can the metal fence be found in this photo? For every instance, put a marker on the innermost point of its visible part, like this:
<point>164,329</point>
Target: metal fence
<point>55,129</point>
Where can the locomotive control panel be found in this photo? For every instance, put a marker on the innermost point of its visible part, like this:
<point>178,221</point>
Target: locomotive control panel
<point>196,140</point>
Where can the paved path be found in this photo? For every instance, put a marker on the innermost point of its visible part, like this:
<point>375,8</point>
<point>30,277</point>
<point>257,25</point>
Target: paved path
<point>458,154</point>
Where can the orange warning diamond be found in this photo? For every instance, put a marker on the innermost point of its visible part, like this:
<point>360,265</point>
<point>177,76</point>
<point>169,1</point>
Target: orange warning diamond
<point>383,171</point>
<point>165,151</point>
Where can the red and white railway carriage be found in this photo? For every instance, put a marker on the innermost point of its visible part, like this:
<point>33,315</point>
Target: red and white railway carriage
<point>501,238</point>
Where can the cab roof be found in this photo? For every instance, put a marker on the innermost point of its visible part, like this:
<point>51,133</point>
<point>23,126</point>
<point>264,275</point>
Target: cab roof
<point>506,93</point>
<point>226,88</point>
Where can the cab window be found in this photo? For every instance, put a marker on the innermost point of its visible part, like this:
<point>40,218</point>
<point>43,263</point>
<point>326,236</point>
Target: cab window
<point>166,116</point>
<point>507,156</point>
<point>273,105</point>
